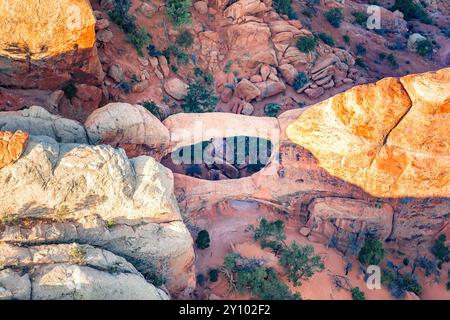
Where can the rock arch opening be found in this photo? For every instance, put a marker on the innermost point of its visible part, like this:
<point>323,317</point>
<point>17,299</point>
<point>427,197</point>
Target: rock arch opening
<point>221,158</point>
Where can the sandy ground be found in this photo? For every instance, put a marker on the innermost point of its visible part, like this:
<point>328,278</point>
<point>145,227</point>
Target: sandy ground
<point>228,227</point>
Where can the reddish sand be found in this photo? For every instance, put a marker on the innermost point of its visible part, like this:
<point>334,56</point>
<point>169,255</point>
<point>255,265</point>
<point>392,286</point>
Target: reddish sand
<point>228,227</point>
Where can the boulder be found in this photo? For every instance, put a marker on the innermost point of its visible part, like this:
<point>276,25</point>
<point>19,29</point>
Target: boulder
<point>116,73</point>
<point>247,90</point>
<point>122,124</point>
<point>176,88</point>
<point>288,72</point>
<point>39,122</point>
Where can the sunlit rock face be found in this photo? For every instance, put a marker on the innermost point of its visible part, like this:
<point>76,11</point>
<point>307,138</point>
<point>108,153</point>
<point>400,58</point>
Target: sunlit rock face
<point>391,138</point>
<point>42,42</point>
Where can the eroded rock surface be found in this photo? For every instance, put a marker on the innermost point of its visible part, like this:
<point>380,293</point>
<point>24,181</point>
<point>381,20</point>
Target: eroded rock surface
<point>70,271</point>
<point>390,138</point>
<point>44,44</point>
<point>96,195</point>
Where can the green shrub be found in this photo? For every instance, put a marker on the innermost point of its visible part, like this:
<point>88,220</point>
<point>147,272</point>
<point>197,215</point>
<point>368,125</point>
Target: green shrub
<point>334,17</point>
<point>178,11</point>
<point>346,39</point>
<point>306,44</point>
<point>300,80</point>
<point>200,98</point>
<point>446,32</point>
<point>137,36</point>
<point>360,17</point>
<point>360,49</point>
<point>360,62</point>
<point>203,240</point>
<point>153,108</point>
<point>357,294</point>
<point>271,109</point>
<point>213,275</point>
<point>227,67</point>
<point>412,10</point>
<point>300,263</point>
<point>261,282</point>
<point>448,285</point>
<point>440,250</point>
<point>392,61</point>
<point>270,235</point>
<point>178,53</point>
<point>283,7</point>
<point>424,47</point>
<point>185,39</point>
<point>399,283</point>
<point>264,284</point>
<point>70,90</point>
<point>372,253</point>
<point>326,38</point>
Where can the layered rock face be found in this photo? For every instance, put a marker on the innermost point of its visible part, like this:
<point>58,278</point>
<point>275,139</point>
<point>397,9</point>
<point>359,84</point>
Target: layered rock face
<point>70,271</point>
<point>44,44</point>
<point>59,193</point>
<point>390,138</point>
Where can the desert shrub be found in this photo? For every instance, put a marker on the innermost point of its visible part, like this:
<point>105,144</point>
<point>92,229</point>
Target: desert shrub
<point>283,7</point>
<point>346,39</point>
<point>309,12</point>
<point>270,235</point>
<point>428,266</point>
<point>300,263</point>
<point>227,67</point>
<point>300,80</point>
<point>9,219</point>
<point>448,285</point>
<point>153,108</point>
<point>177,52</point>
<point>200,98</point>
<point>264,284</point>
<point>326,38</point>
<point>424,47</point>
<point>70,90</point>
<point>306,44</point>
<point>185,39</point>
<point>77,255</point>
<point>271,109</point>
<point>440,250</point>
<point>334,17</point>
<point>201,279</point>
<point>398,283</point>
<point>392,61</point>
<point>213,275</point>
<point>446,32</point>
<point>261,282</point>
<point>372,252</point>
<point>360,17</point>
<point>152,51</point>
<point>203,240</point>
<point>381,56</point>
<point>178,11</point>
<point>412,10</point>
<point>360,49</point>
<point>138,36</point>
<point>360,63</point>
<point>357,294</point>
